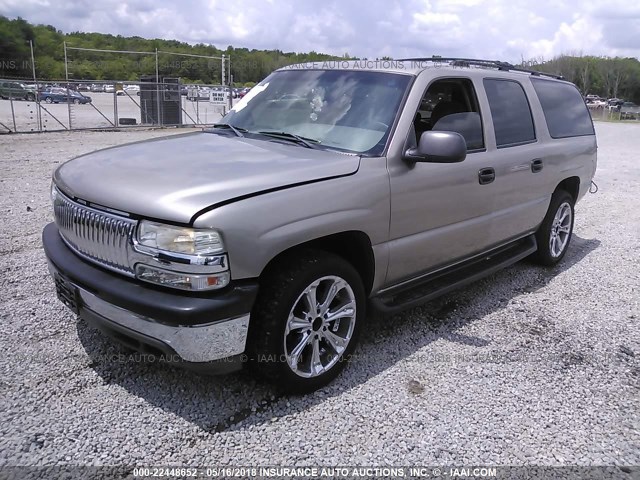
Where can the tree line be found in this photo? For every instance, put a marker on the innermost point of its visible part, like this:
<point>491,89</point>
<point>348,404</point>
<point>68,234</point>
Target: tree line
<point>604,76</point>
<point>247,66</point>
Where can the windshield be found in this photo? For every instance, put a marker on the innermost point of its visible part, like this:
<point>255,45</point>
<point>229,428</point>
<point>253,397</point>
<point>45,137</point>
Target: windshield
<point>343,110</point>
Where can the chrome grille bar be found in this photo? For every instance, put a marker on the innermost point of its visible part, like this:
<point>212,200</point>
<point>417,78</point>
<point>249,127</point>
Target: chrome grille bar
<point>100,237</point>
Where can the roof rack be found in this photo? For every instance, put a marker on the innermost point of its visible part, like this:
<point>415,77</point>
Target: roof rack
<point>466,62</point>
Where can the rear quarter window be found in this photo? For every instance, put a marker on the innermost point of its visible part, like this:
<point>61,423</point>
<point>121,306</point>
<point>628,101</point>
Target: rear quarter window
<point>564,110</point>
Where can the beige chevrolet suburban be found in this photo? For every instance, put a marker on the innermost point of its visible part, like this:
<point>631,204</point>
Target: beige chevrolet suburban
<point>332,190</point>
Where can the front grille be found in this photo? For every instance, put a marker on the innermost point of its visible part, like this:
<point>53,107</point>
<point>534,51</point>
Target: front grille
<point>100,237</point>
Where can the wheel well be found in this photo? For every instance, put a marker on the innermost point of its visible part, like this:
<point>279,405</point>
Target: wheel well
<point>570,185</point>
<point>353,246</point>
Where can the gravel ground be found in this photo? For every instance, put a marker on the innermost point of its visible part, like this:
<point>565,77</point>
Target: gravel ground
<point>530,366</point>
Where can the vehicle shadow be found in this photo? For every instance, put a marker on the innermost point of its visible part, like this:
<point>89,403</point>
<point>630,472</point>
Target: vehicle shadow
<point>219,403</point>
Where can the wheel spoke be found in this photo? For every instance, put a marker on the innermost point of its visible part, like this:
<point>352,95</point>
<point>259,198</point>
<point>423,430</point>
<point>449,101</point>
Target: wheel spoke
<point>295,353</point>
<point>312,302</point>
<point>558,246</point>
<point>316,363</point>
<point>331,295</point>
<point>337,342</point>
<point>296,323</point>
<point>347,310</point>
<point>564,229</point>
<point>556,217</point>
<point>564,214</point>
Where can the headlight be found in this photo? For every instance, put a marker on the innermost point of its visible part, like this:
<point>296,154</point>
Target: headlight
<point>190,241</point>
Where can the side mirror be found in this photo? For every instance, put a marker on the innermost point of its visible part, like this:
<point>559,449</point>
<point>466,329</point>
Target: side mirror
<point>438,147</point>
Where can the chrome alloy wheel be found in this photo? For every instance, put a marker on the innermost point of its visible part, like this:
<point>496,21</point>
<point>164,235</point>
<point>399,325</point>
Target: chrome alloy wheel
<point>560,230</point>
<point>320,326</point>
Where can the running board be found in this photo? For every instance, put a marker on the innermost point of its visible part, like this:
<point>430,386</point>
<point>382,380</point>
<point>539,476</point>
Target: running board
<point>443,281</point>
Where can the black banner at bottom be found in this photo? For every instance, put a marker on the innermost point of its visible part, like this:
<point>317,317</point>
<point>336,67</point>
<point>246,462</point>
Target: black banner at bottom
<point>71,472</point>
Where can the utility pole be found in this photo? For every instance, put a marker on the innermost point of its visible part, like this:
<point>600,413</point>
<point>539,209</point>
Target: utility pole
<point>66,75</point>
<point>157,90</point>
<point>223,75</point>
<point>35,80</point>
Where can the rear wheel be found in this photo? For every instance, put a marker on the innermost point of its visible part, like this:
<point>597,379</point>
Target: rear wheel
<point>554,234</point>
<point>48,100</point>
<point>306,320</point>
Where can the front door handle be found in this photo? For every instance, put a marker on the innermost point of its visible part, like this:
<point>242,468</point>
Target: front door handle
<point>536,165</point>
<point>486,175</point>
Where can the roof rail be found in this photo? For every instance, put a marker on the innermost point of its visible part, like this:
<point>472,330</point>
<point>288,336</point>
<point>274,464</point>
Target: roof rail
<point>466,62</point>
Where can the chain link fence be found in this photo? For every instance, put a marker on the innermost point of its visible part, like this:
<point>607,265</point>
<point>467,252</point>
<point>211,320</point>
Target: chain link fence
<point>615,112</point>
<point>77,105</point>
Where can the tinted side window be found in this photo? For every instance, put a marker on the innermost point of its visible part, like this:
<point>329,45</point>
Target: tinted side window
<point>510,111</point>
<point>564,110</point>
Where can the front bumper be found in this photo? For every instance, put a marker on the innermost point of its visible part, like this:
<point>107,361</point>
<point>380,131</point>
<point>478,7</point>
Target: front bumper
<point>204,330</point>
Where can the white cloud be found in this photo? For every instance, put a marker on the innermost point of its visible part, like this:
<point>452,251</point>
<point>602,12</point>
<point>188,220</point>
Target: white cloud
<point>431,19</point>
<point>501,29</point>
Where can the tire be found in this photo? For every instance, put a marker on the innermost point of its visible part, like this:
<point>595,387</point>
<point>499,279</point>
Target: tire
<point>31,98</point>
<point>76,101</point>
<point>554,234</point>
<point>299,349</point>
<point>48,100</point>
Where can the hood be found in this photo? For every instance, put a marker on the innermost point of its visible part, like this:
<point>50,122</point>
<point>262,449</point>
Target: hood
<point>174,178</point>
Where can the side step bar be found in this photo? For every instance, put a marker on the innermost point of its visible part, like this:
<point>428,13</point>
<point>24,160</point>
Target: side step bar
<point>443,281</point>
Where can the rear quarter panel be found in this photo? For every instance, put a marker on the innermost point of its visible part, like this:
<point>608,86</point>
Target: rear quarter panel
<point>562,157</point>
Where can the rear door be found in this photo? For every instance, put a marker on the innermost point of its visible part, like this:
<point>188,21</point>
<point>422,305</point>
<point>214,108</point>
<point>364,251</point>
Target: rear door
<point>519,200</point>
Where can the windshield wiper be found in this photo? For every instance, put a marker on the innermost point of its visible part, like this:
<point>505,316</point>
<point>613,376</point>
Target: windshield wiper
<point>304,141</point>
<point>237,130</point>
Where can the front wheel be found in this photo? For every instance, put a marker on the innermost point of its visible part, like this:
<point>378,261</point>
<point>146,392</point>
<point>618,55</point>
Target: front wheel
<point>306,320</point>
<point>554,234</point>
<point>48,100</point>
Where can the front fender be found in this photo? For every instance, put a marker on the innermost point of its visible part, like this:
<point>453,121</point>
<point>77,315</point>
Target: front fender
<point>257,229</point>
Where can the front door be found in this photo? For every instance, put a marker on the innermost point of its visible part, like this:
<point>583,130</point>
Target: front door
<point>439,211</point>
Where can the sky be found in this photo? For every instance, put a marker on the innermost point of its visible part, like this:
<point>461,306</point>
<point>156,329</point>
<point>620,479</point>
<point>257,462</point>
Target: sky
<point>508,30</point>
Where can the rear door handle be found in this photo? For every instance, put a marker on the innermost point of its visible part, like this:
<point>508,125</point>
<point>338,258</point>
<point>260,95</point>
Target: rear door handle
<point>536,165</point>
<point>486,175</point>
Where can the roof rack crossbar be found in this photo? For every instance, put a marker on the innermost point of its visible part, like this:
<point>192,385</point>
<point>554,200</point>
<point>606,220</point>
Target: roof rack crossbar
<point>504,66</point>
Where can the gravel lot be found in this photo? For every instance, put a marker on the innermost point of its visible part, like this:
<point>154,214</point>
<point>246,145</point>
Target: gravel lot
<point>529,366</point>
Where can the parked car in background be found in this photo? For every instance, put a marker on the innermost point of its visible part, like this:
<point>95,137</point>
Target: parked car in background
<point>596,104</point>
<point>16,91</point>
<point>96,87</point>
<point>592,98</point>
<point>62,95</point>
<point>108,88</point>
<point>629,111</point>
<point>131,89</point>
